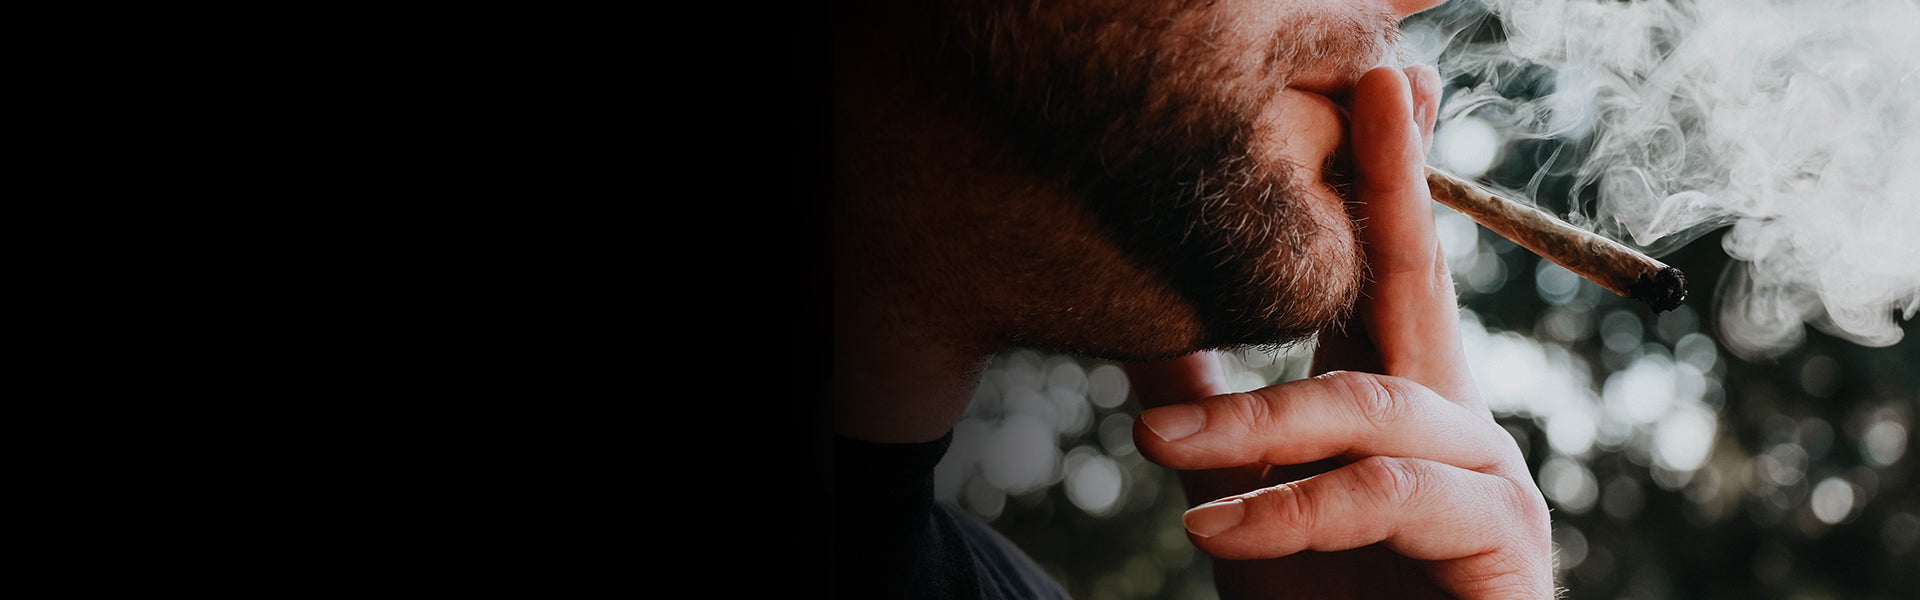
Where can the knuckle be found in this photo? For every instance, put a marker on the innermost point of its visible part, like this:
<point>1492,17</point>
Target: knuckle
<point>1291,508</point>
<point>1505,574</point>
<point>1528,502</point>
<point>1390,481</point>
<point>1249,411</point>
<point>1442,279</point>
<point>1520,496</point>
<point>1380,405</point>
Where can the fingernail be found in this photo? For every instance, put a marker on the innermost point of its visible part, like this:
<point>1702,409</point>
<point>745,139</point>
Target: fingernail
<point>1208,520</point>
<point>1174,422</point>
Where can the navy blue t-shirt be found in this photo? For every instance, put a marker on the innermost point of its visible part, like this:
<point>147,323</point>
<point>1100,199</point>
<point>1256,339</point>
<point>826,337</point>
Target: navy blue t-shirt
<point>894,540</point>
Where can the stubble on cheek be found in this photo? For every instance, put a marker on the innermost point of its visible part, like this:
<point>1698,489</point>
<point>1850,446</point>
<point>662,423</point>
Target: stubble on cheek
<point>1302,269</point>
<point>1154,119</point>
<point>1313,268</point>
<point>1248,221</point>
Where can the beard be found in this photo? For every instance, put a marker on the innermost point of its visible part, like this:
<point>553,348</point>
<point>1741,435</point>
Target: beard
<point>1151,117</point>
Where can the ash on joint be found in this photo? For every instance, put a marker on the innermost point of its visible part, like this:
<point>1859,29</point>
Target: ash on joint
<point>1662,291</point>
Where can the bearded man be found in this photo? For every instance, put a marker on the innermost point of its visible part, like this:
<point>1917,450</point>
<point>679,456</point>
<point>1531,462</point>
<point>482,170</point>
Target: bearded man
<point>1146,182</point>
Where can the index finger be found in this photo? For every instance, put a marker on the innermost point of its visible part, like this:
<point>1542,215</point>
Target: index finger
<point>1410,309</point>
<point>1340,414</point>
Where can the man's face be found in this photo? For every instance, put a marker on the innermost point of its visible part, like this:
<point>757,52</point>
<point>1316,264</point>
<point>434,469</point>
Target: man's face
<point>1205,136</point>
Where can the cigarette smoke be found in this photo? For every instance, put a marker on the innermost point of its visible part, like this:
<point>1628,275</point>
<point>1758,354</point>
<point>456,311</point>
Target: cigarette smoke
<point>1794,123</point>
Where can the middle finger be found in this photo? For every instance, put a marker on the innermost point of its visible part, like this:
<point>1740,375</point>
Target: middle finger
<point>1339,414</point>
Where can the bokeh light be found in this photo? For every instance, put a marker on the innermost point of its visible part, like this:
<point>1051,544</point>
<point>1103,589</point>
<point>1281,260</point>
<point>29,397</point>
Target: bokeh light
<point>1468,146</point>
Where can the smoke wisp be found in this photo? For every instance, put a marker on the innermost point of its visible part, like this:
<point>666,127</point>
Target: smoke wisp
<point>1795,124</point>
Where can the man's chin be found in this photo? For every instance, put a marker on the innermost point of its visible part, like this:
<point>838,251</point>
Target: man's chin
<point>1292,300</point>
<point>1304,319</point>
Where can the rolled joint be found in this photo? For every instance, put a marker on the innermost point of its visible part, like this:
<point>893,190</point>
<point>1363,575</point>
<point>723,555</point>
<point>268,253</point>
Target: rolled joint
<point>1610,264</point>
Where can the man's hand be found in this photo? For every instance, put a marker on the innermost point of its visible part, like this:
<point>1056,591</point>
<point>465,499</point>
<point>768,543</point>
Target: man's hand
<point>1384,475</point>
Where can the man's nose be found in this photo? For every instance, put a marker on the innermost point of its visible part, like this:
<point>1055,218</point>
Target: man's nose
<point>1405,8</point>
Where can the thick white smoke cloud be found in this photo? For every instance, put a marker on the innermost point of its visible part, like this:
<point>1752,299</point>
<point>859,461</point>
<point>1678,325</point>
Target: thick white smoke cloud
<point>1796,123</point>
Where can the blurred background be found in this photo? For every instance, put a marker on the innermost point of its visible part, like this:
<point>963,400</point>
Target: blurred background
<point>1754,443</point>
